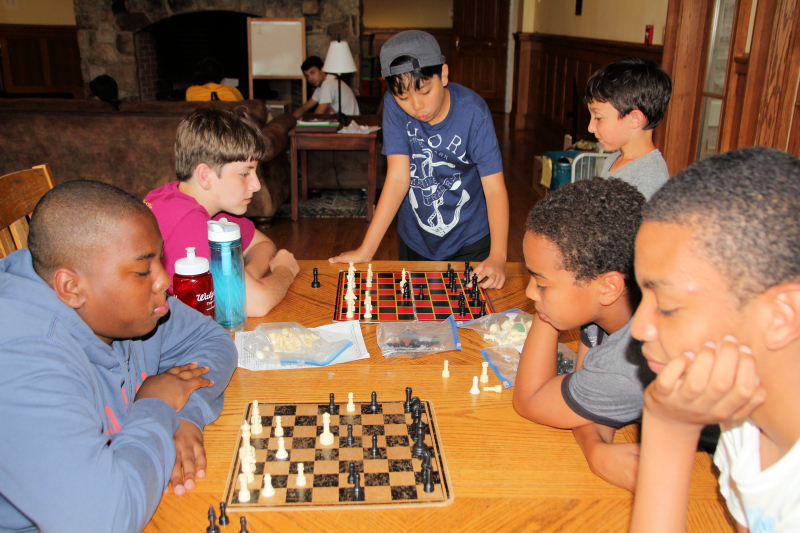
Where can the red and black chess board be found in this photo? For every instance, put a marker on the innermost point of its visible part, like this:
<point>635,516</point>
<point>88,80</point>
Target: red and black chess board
<point>391,479</point>
<point>388,305</point>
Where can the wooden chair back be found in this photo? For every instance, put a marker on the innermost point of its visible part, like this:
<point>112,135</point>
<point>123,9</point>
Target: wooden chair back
<point>19,194</point>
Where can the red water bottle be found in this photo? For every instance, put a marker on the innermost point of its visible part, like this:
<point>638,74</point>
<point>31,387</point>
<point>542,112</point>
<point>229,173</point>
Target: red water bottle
<point>192,283</point>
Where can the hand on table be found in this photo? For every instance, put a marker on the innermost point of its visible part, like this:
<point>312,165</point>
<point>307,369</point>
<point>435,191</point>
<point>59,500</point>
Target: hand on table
<point>175,385</point>
<point>356,256</point>
<point>718,383</point>
<point>492,272</point>
<point>190,458</point>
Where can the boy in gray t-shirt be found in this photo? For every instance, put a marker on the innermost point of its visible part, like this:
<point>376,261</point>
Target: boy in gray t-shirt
<point>627,100</point>
<point>579,250</point>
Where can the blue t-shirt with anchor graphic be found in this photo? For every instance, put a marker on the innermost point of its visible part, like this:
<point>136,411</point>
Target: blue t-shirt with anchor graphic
<point>445,208</point>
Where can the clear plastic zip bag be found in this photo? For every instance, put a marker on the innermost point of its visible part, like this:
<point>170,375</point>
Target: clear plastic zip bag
<point>504,361</point>
<point>290,343</point>
<point>508,328</point>
<point>409,340</point>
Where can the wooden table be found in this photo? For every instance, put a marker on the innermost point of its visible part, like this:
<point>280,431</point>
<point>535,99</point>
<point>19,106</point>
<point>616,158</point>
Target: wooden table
<point>509,474</point>
<point>302,142</point>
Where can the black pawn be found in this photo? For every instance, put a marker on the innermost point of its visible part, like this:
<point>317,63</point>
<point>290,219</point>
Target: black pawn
<point>350,440</point>
<point>374,451</point>
<point>483,308</point>
<point>223,517</point>
<point>332,406</point>
<point>407,404</point>
<point>315,284</point>
<point>243,521</point>
<point>358,491</point>
<point>352,477</point>
<point>427,472</point>
<point>419,442</point>
<point>462,305</point>
<point>373,406</point>
<point>212,521</point>
<point>421,294</point>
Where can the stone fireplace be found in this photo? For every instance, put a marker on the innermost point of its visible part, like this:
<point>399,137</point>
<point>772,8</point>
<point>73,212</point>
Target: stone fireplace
<point>120,37</point>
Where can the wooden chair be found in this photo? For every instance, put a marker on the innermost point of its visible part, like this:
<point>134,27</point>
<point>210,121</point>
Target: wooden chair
<point>19,194</point>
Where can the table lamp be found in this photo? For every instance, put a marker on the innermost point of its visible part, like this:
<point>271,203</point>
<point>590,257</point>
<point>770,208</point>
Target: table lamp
<point>339,61</point>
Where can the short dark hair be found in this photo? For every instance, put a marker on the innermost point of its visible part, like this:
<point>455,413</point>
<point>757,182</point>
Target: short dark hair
<point>744,207</point>
<point>593,223</point>
<point>208,70</point>
<point>71,220</point>
<point>216,137</point>
<point>311,62</point>
<point>629,84</point>
<point>401,83</point>
<point>105,88</point>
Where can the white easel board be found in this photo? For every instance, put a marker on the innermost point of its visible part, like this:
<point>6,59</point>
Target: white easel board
<point>276,48</point>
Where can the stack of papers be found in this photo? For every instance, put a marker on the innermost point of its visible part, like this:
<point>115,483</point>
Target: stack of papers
<point>320,122</point>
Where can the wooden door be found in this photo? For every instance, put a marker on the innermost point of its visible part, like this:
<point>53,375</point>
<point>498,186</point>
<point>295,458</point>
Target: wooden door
<point>480,49</point>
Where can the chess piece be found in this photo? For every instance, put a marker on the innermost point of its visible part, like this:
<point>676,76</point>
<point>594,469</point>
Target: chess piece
<point>315,284</point>
<point>278,428</point>
<point>350,440</point>
<point>369,276</point>
<point>268,491</point>
<point>483,308</point>
<point>407,404</point>
<point>367,306</point>
<point>332,405</point>
<point>223,517</point>
<point>496,388</point>
<point>358,491</point>
<point>373,406</point>
<point>351,308</point>
<point>485,372</point>
<point>246,431</point>
<point>281,453</point>
<point>374,451</point>
<point>212,521</point>
<point>255,425</point>
<point>446,371</point>
<point>475,389</point>
<point>350,405</point>
<point>427,471</point>
<point>243,522</point>
<point>352,477</point>
<point>244,492</point>
<point>300,481</point>
<point>326,438</point>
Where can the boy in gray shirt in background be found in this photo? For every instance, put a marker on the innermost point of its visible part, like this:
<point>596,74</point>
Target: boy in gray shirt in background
<point>627,100</point>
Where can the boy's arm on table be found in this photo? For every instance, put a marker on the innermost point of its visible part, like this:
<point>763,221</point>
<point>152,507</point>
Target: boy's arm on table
<point>259,253</point>
<point>537,389</point>
<point>59,468</point>
<point>719,383</point>
<point>305,107</point>
<point>264,293</point>
<point>494,267</point>
<point>395,189</point>
<point>616,463</point>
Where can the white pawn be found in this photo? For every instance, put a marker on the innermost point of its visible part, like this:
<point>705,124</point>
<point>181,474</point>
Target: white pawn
<point>301,477</point>
<point>245,430</point>
<point>475,389</point>
<point>496,388</point>
<point>326,438</point>
<point>268,491</point>
<point>278,427</point>
<point>446,371</point>
<point>367,306</point>
<point>256,410</point>
<point>281,453</point>
<point>255,421</point>
<point>350,405</point>
<point>350,308</point>
<point>484,373</point>
<point>244,492</point>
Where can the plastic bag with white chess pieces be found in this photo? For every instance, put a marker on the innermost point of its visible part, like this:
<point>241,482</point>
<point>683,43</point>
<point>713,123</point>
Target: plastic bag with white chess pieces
<point>509,328</point>
<point>290,343</point>
<point>504,361</point>
<point>409,340</point>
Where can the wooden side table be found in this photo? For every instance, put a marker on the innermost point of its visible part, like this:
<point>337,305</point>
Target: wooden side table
<point>301,141</point>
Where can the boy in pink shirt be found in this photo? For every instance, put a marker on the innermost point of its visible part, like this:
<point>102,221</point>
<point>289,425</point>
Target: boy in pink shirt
<point>216,155</point>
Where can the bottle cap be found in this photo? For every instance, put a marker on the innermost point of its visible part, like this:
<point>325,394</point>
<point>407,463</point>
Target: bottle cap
<point>223,231</point>
<point>191,265</point>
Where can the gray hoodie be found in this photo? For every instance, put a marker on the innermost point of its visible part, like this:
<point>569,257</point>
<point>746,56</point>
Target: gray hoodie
<point>76,452</point>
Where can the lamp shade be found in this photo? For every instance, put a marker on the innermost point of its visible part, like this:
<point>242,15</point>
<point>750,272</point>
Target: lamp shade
<point>339,59</point>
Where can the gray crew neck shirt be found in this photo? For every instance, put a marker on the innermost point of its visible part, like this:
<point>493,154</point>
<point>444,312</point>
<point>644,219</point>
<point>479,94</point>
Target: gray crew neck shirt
<point>648,173</point>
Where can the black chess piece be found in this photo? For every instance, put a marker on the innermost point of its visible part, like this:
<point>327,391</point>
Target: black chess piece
<point>243,522</point>
<point>373,406</point>
<point>483,308</point>
<point>462,305</point>
<point>427,471</point>
<point>350,440</point>
<point>358,491</point>
<point>223,517</point>
<point>212,521</point>
<point>475,289</point>
<point>407,291</point>
<point>449,268</point>
<point>374,451</point>
<point>315,284</point>
<point>452,284</point>
<point>407,404</point>
<point>332,406</point>
<point>419,442</point>
<point>421,294</point>
<point>352,477</point>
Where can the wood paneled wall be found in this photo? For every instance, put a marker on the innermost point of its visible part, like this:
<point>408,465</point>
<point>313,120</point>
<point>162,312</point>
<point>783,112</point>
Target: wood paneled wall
<point>548,69</point>
<point>41,59</point>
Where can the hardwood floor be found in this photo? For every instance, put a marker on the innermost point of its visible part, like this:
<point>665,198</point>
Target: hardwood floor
<point>321,238</point>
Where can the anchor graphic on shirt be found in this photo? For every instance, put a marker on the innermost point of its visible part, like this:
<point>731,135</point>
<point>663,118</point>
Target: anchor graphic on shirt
<point>432,194</point>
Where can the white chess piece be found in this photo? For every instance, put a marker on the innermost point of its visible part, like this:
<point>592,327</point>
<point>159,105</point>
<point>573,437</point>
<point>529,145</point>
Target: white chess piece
<point>245,430</point>
<point>249,468</point>
<point>268,491</point>
<point>278,427</point>
<point>350,308</point>
<point>403,279</point>
<point>244,492</point>
<point>496,388</point>
<point>485,372</point>
<point>326,438</point>
<point>256,410</point>
<point>446,371</point>
<point>350,405</point>
<point>475,389</point>
<point>281,453</point>
<point>255,420</point>
<point>301,477</point>
<point>367,306</point>
<point>369,276</point>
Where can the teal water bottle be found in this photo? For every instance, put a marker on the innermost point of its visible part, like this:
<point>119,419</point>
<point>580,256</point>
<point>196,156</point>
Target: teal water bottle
<point>227,270</point>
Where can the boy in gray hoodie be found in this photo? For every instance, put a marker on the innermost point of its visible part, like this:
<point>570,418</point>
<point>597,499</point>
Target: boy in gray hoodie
<point>106,384</point>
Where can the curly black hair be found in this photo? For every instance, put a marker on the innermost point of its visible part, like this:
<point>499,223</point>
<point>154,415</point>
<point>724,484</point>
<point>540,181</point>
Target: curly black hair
<point>744,206</point>
<point>632,83</point>
<point>594,223</point>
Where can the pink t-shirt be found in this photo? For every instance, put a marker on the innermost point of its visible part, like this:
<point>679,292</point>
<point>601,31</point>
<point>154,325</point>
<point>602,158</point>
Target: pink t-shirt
<point>182,222</point>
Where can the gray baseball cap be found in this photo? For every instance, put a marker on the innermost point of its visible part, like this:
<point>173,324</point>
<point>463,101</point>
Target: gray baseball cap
<point>417,44</point>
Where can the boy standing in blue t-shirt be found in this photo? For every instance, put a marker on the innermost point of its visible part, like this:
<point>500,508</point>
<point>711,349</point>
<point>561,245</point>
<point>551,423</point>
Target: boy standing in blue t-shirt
<point>445,173</point>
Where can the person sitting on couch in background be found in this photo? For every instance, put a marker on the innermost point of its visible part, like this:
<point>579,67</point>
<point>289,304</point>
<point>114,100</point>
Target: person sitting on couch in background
<point>105,88</point>
<point>207,77</point>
